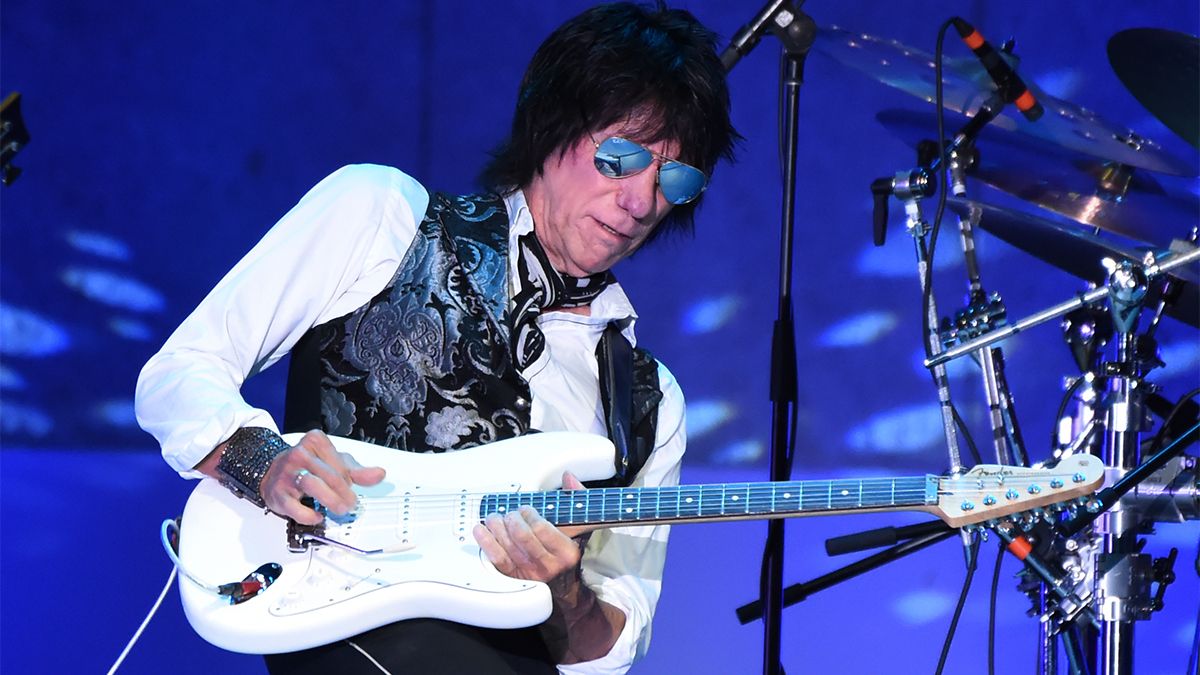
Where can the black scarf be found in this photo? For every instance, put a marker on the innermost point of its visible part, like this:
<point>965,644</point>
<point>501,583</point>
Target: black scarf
<point>539,286</point>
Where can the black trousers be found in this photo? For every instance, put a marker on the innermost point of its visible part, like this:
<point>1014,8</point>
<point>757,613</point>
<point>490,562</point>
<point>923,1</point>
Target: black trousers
<point>424,647</point>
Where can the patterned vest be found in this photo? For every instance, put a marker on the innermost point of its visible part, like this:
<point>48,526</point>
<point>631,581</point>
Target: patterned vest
<point>424,365</point>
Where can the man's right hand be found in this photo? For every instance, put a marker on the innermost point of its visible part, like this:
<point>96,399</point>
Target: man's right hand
<point>314,468</point>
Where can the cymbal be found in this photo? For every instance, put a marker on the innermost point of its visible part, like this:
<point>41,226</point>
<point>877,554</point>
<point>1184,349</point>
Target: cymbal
<point>1083,188</point>
<point>966,85</point>
<point>1161,68</point>
<point>1077,251</point>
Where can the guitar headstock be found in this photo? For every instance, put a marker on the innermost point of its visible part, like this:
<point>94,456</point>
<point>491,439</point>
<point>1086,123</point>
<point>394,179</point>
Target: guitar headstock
<point>991,491</point>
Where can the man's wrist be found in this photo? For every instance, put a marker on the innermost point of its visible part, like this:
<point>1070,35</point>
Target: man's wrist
<point>247,456</point>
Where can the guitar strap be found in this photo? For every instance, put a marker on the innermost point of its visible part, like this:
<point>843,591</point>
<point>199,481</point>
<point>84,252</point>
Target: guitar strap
<point>629,395</point>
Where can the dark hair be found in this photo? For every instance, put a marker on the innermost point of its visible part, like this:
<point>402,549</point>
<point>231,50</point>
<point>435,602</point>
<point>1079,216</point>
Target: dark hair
<point>655,66</point>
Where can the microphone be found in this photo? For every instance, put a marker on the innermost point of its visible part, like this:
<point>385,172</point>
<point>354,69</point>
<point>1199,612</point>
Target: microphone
<point>1011,87</point>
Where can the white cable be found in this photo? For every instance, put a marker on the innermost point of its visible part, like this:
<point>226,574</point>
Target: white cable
<point>370,658</point>
<point>164,533</point>
<point>133,640</point>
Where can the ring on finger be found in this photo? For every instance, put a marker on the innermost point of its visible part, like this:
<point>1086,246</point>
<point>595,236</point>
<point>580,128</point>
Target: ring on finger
<point>300,476</point>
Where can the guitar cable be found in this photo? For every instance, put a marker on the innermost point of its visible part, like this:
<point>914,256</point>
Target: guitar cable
<point>973,558</point>
<point>167,533</point>
<point>145,622</point>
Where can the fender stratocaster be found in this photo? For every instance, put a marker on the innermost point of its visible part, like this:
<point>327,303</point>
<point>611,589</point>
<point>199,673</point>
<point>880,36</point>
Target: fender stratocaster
<point>406,550</point>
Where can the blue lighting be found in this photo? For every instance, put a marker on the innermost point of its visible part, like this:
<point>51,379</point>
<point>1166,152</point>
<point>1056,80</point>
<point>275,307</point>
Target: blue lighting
<point>922,607</point>
<point>110,288</point>
<point>98,244</point>
<point>858,330</point>
<point>1182,359</point>
<point>23,420</point>
<point>118,413</point>
<point>131,329</point>
<point>705,415</point>
<point>25,333</point>
<point>898,431</point>
<point>896,260</point>
<point>740,452</point>
<point>709,314</point>
<point>1062,83</point>
<point>10,380</point>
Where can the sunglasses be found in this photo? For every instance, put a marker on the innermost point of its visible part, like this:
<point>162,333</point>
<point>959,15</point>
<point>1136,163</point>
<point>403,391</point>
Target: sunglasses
<point>618,157</point>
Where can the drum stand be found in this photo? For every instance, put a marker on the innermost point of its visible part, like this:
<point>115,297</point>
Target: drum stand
<point>1106,557</point>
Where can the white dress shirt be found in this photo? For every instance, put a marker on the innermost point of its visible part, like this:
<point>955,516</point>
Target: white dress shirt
<point>329,255</point>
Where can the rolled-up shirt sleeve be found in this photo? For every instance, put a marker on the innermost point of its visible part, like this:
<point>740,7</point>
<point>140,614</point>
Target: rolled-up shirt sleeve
<point>624,565</point>
<point>328,255</point>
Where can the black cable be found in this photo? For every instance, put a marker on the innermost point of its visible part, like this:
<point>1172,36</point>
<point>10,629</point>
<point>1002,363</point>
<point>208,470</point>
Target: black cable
<point>941,183</point>
<point>1159,437</point>
<point>962,601</point>
<point>991,649</point>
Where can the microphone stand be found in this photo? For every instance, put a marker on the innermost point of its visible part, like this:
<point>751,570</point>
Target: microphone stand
<point>796,31</point>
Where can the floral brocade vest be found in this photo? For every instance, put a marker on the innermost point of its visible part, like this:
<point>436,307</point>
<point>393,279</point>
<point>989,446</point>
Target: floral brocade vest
<point>425,365</point>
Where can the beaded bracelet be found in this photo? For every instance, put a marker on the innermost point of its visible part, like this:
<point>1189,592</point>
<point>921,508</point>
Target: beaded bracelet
<point>248,455</point>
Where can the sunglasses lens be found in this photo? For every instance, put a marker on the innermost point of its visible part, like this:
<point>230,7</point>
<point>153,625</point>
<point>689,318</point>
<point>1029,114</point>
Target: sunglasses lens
<point>681,183</point>
<point>618,158</point>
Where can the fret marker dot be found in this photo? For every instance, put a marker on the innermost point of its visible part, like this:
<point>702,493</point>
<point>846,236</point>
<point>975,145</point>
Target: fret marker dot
<point>579,505</point>
<point>688,500</point>
<point>549,507</point>
<point>787,495</point>
<point>734,498</point>
<point>628,496</point>
<point>845,492</point>
<point>628,509</point>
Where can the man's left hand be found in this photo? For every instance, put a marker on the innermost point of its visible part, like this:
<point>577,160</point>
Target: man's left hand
<point>524,545</point>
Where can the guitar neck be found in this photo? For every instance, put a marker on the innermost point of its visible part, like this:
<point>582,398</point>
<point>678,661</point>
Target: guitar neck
<point>607,507</point>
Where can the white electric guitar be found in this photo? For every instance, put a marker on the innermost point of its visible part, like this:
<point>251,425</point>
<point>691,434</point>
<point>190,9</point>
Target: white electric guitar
<point>406,551</point>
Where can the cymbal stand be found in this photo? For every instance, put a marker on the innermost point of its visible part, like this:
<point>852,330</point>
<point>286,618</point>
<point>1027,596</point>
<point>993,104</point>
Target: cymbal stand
<point>1120,566</point>
<point>910,187</point>
<point>983,313</point>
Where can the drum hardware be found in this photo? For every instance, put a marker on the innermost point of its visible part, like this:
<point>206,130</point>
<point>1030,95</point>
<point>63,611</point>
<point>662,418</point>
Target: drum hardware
<point>1161,266</point>
<point>1086,574</point>
<point>1111,418</point>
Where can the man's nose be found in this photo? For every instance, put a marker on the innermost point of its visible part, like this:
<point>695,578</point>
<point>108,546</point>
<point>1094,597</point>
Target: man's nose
<point>637,193</point>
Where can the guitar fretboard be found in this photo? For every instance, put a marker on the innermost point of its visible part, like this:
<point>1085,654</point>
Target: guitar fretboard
<point>716,501</point>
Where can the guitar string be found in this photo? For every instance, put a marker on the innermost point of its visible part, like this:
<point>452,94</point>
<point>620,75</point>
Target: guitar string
<point>753,490</point>
<point>690,499</point>
<point>647,513</point>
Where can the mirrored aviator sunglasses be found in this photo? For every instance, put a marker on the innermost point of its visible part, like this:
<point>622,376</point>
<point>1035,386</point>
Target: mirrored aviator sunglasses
<point>618,157</point>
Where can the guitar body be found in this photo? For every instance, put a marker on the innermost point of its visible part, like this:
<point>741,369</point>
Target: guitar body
<point>421,516</point>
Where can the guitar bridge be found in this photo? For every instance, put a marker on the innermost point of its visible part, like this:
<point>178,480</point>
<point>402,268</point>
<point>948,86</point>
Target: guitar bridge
<point>300,537</point>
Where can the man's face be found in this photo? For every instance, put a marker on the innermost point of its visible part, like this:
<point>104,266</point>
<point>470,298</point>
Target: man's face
<point>586,221</point>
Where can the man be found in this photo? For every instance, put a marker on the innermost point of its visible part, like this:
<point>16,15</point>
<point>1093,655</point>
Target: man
<point>433,323</point>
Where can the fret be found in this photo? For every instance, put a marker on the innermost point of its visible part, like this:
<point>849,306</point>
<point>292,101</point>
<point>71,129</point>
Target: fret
<point>844,494</point>
<point>785,497</point>
<point>712,500</point>
<point>648,503</point>
<point>737,498</point>
<point>689,501</point>
<point>628,504</point>
<point>668,502</point>
<point>814,495</point>
<point>760,498</point>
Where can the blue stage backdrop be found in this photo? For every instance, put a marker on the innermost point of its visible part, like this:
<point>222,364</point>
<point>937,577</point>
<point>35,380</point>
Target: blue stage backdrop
<point>168,136</point>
